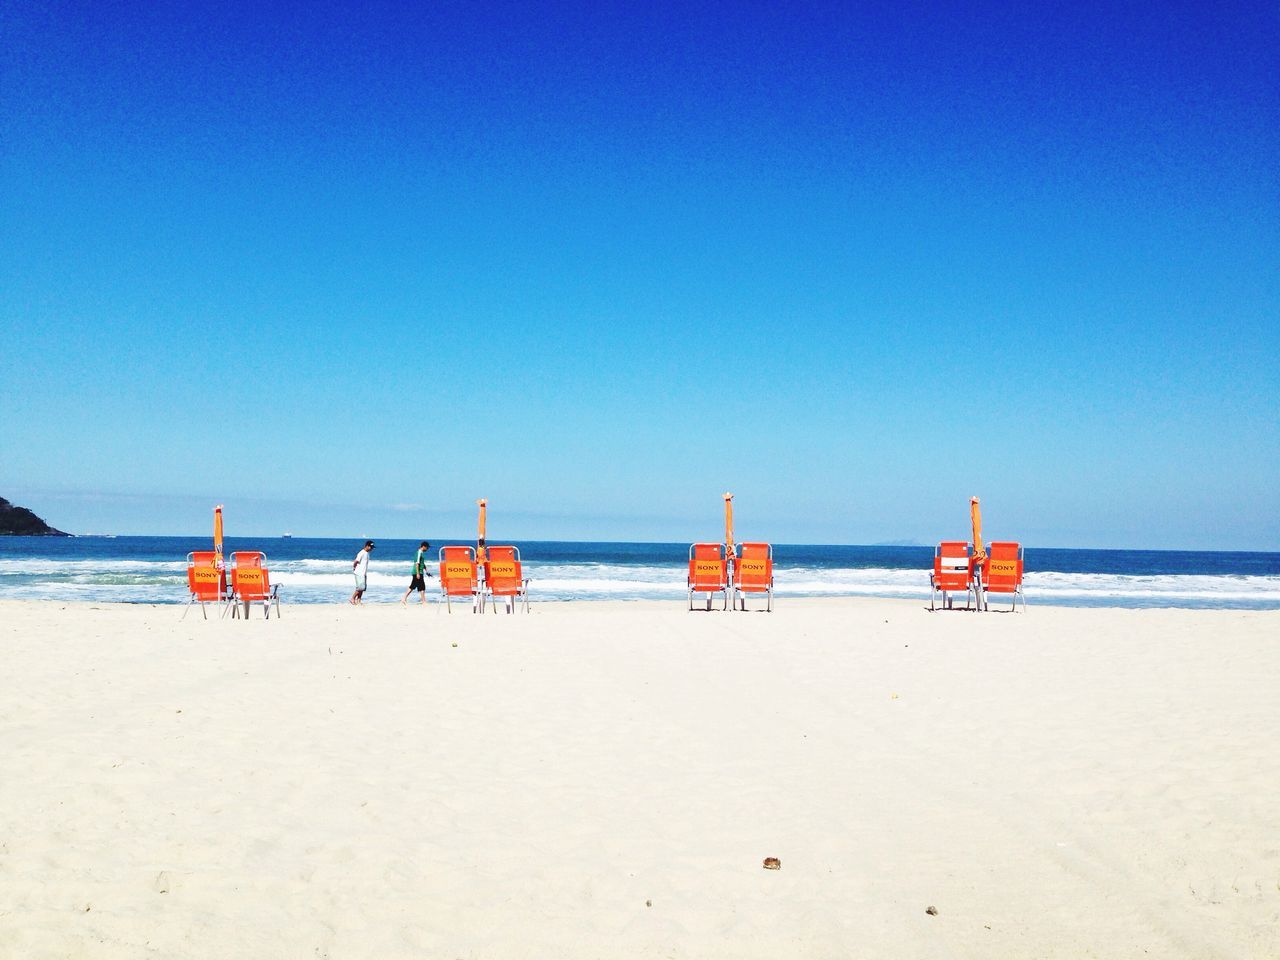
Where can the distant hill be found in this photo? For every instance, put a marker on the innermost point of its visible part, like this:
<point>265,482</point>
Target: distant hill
<point>21,522</point>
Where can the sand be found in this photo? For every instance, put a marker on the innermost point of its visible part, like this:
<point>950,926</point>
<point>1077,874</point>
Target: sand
<point>605,780</point>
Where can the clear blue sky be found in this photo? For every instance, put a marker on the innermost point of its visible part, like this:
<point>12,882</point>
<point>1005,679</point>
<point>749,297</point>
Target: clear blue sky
<point>346,268</point>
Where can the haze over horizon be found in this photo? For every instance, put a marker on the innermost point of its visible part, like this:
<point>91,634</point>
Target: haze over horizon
<point>347,270</point>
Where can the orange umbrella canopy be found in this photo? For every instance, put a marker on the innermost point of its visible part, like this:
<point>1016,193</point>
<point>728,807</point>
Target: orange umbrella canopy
<point>482,504</point>
<point>217,534</point>
<point>728,524</point>
<point>975,517</point>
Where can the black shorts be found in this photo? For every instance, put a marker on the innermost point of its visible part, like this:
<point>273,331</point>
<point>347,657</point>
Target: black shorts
<point>418,583</point>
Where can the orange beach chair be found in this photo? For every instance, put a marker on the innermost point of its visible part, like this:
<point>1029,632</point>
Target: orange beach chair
<point>251,583</point>
<point>708,572</point>
<point>1002,571</point>
<point>504,577</point>
<point>753,573</point>
<point>952,573</point>
<point>459,577</point>
<point>206,582</point>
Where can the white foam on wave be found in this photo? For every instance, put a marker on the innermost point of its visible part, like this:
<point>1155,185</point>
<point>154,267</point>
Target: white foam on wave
<point>37,566</point>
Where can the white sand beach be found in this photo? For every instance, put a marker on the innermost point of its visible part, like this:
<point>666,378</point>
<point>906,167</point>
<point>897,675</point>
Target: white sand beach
<point>605,780</point>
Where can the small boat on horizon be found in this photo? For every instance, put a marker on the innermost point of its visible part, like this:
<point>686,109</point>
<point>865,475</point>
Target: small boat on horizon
<point>286,536</point>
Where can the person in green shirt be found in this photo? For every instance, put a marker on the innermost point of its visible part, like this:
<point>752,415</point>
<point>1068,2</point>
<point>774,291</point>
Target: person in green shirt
<point>420,574</point>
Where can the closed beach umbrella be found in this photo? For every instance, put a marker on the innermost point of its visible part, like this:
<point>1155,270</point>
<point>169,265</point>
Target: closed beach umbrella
<point>975,516</point>
<point>217,548</point>
<point>728,524</point>
<point>217,536</point>
<point>480,539</point>
<point>979,554</point>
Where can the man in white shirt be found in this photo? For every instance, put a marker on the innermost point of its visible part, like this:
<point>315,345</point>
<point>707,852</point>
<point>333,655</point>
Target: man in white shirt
<point>360,566</point>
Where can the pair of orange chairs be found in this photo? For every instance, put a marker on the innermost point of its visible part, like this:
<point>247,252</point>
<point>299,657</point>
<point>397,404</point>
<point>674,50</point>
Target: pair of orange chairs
<point>954,569</point>
<point>503,578</point>
<point>752,573</point>
<point>250,583</point>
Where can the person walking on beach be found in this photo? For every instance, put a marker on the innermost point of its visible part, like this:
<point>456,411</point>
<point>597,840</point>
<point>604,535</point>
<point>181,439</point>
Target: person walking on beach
<point>420,574</point>
<point>360,567</point>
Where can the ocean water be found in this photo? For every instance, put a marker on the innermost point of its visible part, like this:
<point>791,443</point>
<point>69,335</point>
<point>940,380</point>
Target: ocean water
<point>153,570</point>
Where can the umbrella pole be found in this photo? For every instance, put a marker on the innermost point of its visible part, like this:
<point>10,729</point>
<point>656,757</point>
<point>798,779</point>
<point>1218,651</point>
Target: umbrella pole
<point>729,557</point>
<point>979,553</point>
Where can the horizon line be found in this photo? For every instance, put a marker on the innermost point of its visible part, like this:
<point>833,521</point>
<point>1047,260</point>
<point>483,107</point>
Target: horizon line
<point>491,542</point>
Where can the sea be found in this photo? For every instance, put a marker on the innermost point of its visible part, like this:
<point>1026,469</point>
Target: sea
<point>153,570</point>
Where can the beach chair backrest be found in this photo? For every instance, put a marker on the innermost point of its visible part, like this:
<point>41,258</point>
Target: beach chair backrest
<point>753,569</point>
<point>707,569</point>
<point>458,575</point>
<point>951,569</point>
<point>249,576</point>
<point>206,581</point>
<point>1002,571</point>
<point>503,572</point>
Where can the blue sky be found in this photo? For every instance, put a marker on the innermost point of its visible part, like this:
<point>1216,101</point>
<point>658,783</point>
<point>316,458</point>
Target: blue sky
<point>346,268</point>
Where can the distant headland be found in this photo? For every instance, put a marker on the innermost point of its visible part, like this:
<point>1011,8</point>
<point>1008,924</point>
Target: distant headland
<point>21,522</point>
